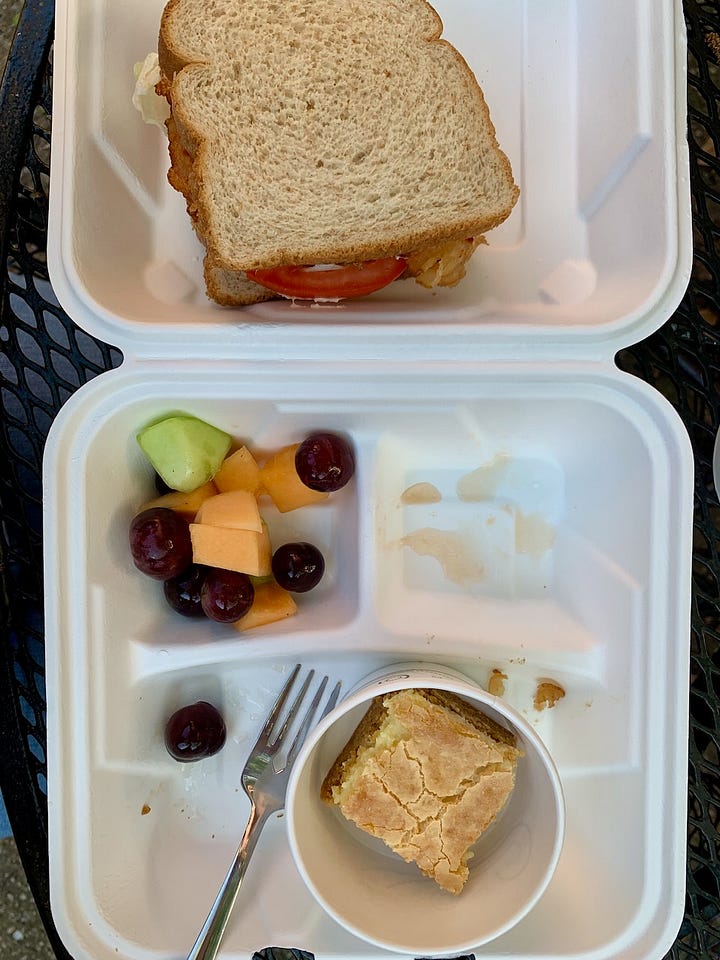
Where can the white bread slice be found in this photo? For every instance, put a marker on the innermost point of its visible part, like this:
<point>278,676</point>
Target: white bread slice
<point>226,287</point>
<point>232,288</point>
<point>325,131</point>
<point>440,264</point>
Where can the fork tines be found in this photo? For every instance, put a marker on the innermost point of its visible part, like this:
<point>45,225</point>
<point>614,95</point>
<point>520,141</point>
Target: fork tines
<point>270,742</point>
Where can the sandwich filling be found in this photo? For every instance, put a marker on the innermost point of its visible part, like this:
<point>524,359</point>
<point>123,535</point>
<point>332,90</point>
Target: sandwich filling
<point>436,266</point>
<point>332,280</point>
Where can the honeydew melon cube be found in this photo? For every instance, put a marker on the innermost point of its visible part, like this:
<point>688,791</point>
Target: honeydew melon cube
<point>184,450</point>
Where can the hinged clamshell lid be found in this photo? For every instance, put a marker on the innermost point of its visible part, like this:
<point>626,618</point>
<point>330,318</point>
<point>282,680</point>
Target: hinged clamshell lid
<point>589,103</point>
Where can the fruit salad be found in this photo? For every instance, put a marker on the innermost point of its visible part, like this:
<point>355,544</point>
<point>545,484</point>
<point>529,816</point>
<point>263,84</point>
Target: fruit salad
<point>205,539</point>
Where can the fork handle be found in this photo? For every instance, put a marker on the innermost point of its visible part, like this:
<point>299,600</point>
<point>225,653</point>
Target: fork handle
<point>208,941</point>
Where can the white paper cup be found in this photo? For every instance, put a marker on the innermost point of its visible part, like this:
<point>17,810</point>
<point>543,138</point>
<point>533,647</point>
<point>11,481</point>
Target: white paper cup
<point>371,891</point>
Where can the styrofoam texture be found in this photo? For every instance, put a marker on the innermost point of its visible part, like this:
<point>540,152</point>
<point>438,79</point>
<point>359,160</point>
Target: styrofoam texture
<point>354,877</point>
<point>597,457</point>
<point>588,98</point>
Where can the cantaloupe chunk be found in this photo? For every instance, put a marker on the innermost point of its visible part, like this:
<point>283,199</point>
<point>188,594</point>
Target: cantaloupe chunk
<point>239,471</point>
<point>186,504</point>
<point>271,603</point>
<point>245,551</point>
<point>280,479</point>
<point>234,509</point>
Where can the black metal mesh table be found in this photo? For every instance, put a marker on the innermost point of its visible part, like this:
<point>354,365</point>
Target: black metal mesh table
<point>44,357</point>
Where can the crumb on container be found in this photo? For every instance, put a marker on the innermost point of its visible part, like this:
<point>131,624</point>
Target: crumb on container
<point>547,694</point>
<point>146,808</point>
<point>496,683</point>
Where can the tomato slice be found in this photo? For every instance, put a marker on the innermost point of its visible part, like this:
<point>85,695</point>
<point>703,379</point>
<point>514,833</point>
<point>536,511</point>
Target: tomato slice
<point>330,281</point>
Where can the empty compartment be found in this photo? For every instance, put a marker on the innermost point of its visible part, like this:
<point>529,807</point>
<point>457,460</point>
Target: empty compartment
<point>517,526</point>
<point>500,519</point>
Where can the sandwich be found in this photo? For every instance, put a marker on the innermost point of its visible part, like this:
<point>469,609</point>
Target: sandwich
<point>427,773</point>
<point>326,148</point>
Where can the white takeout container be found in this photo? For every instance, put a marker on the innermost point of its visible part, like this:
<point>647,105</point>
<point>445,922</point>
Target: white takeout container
<point>577,516</point>
<point>355,878</point>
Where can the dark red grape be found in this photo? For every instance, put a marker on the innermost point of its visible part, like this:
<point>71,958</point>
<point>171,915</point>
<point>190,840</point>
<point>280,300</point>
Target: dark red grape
<point>160,485</point>
<point>325,462</point>
<point>298,566</point>
<point>194,732</point>
<point>160,543</point>
<point>226,595</point>
<point>183,592</point>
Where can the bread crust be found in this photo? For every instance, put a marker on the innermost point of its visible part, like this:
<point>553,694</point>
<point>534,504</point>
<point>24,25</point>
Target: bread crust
<point>170,59</point>
<point>231,288</point>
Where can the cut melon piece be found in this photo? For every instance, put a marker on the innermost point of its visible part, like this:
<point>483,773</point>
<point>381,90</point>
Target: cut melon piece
<point>280,479</point>
<point>186,504</point>
<point>234,509</point>
<point>271,603</point>
<point>245,551</point>
<point>185,451</point>
<point>239,471</point>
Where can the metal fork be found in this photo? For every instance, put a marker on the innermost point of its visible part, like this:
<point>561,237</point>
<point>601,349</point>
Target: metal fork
<point>266,787</point>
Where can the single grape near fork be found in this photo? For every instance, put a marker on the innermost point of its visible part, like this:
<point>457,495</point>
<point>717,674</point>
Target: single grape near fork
<point>266,787</point>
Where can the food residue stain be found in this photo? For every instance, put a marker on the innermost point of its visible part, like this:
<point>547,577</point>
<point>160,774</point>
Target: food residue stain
<point>547,694</point>
<point>481,484</point>
<point>421,493</point>
<point>533,534</point>
<point>496,683</point>
<point>146,808</point>
<point>451,551</point>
